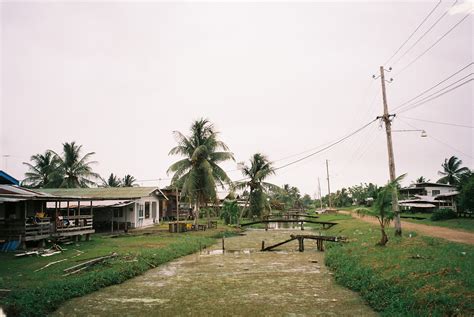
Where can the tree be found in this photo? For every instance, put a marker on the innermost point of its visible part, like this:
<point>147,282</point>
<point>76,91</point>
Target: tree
<point>421,179</point>
<point>259,169</point>
<point>198,174</point>
<point>382,208</point>
<point>466,194</point>
<point>230,211</point>
<point>128,181</point>
<point>452,171</point>
<point>43,172</point>
<point>112,181</point>
<point>76,171</point>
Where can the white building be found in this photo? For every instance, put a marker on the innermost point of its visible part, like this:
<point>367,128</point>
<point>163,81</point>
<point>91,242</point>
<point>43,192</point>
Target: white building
<point>114,208</point>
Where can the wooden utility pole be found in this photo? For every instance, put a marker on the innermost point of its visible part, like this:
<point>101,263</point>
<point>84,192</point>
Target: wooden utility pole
<point>320,197</point>
<point>391,160</point>
<point>329,187</point>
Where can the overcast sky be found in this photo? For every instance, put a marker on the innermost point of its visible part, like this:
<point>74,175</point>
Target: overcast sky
<point>276,78</point>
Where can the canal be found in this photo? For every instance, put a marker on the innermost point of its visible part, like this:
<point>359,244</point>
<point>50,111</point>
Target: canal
<point>238,282</point>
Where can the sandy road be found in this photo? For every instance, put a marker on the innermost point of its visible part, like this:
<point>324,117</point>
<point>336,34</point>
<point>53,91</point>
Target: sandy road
<point>432,231</point>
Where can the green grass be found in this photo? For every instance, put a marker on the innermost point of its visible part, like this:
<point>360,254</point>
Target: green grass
<point>417,276</point>
<point>39,293</point>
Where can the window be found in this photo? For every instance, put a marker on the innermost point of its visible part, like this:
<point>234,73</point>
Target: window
<point>147,209</point>
<point>140,211</point>
<point>435,192</point>
<point>118,213</point>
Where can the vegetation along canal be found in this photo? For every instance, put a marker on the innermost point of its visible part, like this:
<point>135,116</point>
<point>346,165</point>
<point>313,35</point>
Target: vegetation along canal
<point>242,281</point>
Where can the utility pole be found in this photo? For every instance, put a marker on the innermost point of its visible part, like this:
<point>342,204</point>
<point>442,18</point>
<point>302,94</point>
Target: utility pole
<point>320,197</point>
<point>329,187</point>
<point>391,160</point>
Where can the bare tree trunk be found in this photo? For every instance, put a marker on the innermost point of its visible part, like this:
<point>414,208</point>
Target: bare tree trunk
<point>208,215</point>
<point>384,239</point>
<point>196,213</point>
<point>242,211</point>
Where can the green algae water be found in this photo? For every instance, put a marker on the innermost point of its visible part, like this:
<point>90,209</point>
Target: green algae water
<point>240,281</point>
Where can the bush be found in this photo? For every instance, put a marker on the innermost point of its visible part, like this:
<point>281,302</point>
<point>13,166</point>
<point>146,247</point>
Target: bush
<point>442,214</point>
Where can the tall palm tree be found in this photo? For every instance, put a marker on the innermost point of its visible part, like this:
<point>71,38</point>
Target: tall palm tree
<point>112,181</point>
<point>452,171</point>
<point>76,170</point>
<point>421,179</point>
<point>128,181</point>
<point>260,168</point>
<point>43,172</point>
<point>198,173</point>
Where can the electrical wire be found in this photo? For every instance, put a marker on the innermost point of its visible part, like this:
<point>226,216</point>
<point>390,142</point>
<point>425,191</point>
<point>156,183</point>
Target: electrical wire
<point>435,43</point>
<point>435,97</point>
<point>427,90</point>
<point>430,136</point>
<point>439,122</point>
<point>413,33</point>
<point>327,147</point>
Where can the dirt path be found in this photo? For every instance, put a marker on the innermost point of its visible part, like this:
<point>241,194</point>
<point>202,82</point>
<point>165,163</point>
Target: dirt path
<point>432,231</point>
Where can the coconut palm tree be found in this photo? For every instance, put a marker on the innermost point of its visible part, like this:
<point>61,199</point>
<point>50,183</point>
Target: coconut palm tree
<point>452,171</point>
<point>76,171</point>
<point>198,173</point>
<point>43,171</point>
<point>421,179</point>
<point>112,181</point>
<point>260,168</point>
<point>382,208</point>
<point>128,181</point>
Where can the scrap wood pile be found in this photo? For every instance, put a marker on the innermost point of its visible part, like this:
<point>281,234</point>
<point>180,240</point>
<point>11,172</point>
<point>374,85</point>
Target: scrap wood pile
<point>55,249</point>
<point>84,265</point>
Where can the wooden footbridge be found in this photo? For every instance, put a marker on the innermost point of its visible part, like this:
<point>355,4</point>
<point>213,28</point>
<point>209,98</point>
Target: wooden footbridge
<point>301,237</point>
<point>326,224</point>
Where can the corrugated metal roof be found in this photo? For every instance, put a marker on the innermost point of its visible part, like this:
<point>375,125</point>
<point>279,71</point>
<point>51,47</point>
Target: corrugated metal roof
<point>417,205</point>
<point>120,193</point>
<point>95,204</point>
<point>17,191</point>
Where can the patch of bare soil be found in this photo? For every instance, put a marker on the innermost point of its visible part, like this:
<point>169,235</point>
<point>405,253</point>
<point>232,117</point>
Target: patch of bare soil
<point>432,231</point>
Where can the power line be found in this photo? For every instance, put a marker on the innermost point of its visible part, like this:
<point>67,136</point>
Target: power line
<point>435,97</point>
<point>439,91</point>
<point>439,122</point>
<point>427,90</point>
<point>327,147</point>
<point>413,33</point>
<point>424,34</point>
<point>439,141</point>
<point>434,44</point>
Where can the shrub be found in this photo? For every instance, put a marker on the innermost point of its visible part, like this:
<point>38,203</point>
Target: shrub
<point>442,214</point>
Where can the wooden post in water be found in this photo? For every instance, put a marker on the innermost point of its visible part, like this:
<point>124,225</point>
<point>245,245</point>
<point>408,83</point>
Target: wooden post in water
<point>263,245</point>
<point>300,244</point>
<point>223,244</point>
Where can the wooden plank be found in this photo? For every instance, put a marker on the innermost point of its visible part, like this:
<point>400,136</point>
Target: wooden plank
<point>278,244</point>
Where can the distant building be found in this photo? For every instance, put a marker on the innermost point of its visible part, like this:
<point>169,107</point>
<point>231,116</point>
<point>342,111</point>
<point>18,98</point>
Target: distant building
<point>427,197</point>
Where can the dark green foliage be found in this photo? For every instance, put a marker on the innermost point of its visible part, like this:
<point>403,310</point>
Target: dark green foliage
<point>466,195</point>
<point>452,171</point>
<point>230,212</point>
<point>260,168</point>
<point>443,214</point>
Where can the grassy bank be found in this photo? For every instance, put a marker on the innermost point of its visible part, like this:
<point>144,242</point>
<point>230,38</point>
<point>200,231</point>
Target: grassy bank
<point>411,276</point>
<point>39,293</point>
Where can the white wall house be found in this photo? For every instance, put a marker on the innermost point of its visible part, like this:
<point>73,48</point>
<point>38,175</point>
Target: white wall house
<point>116,207</point>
